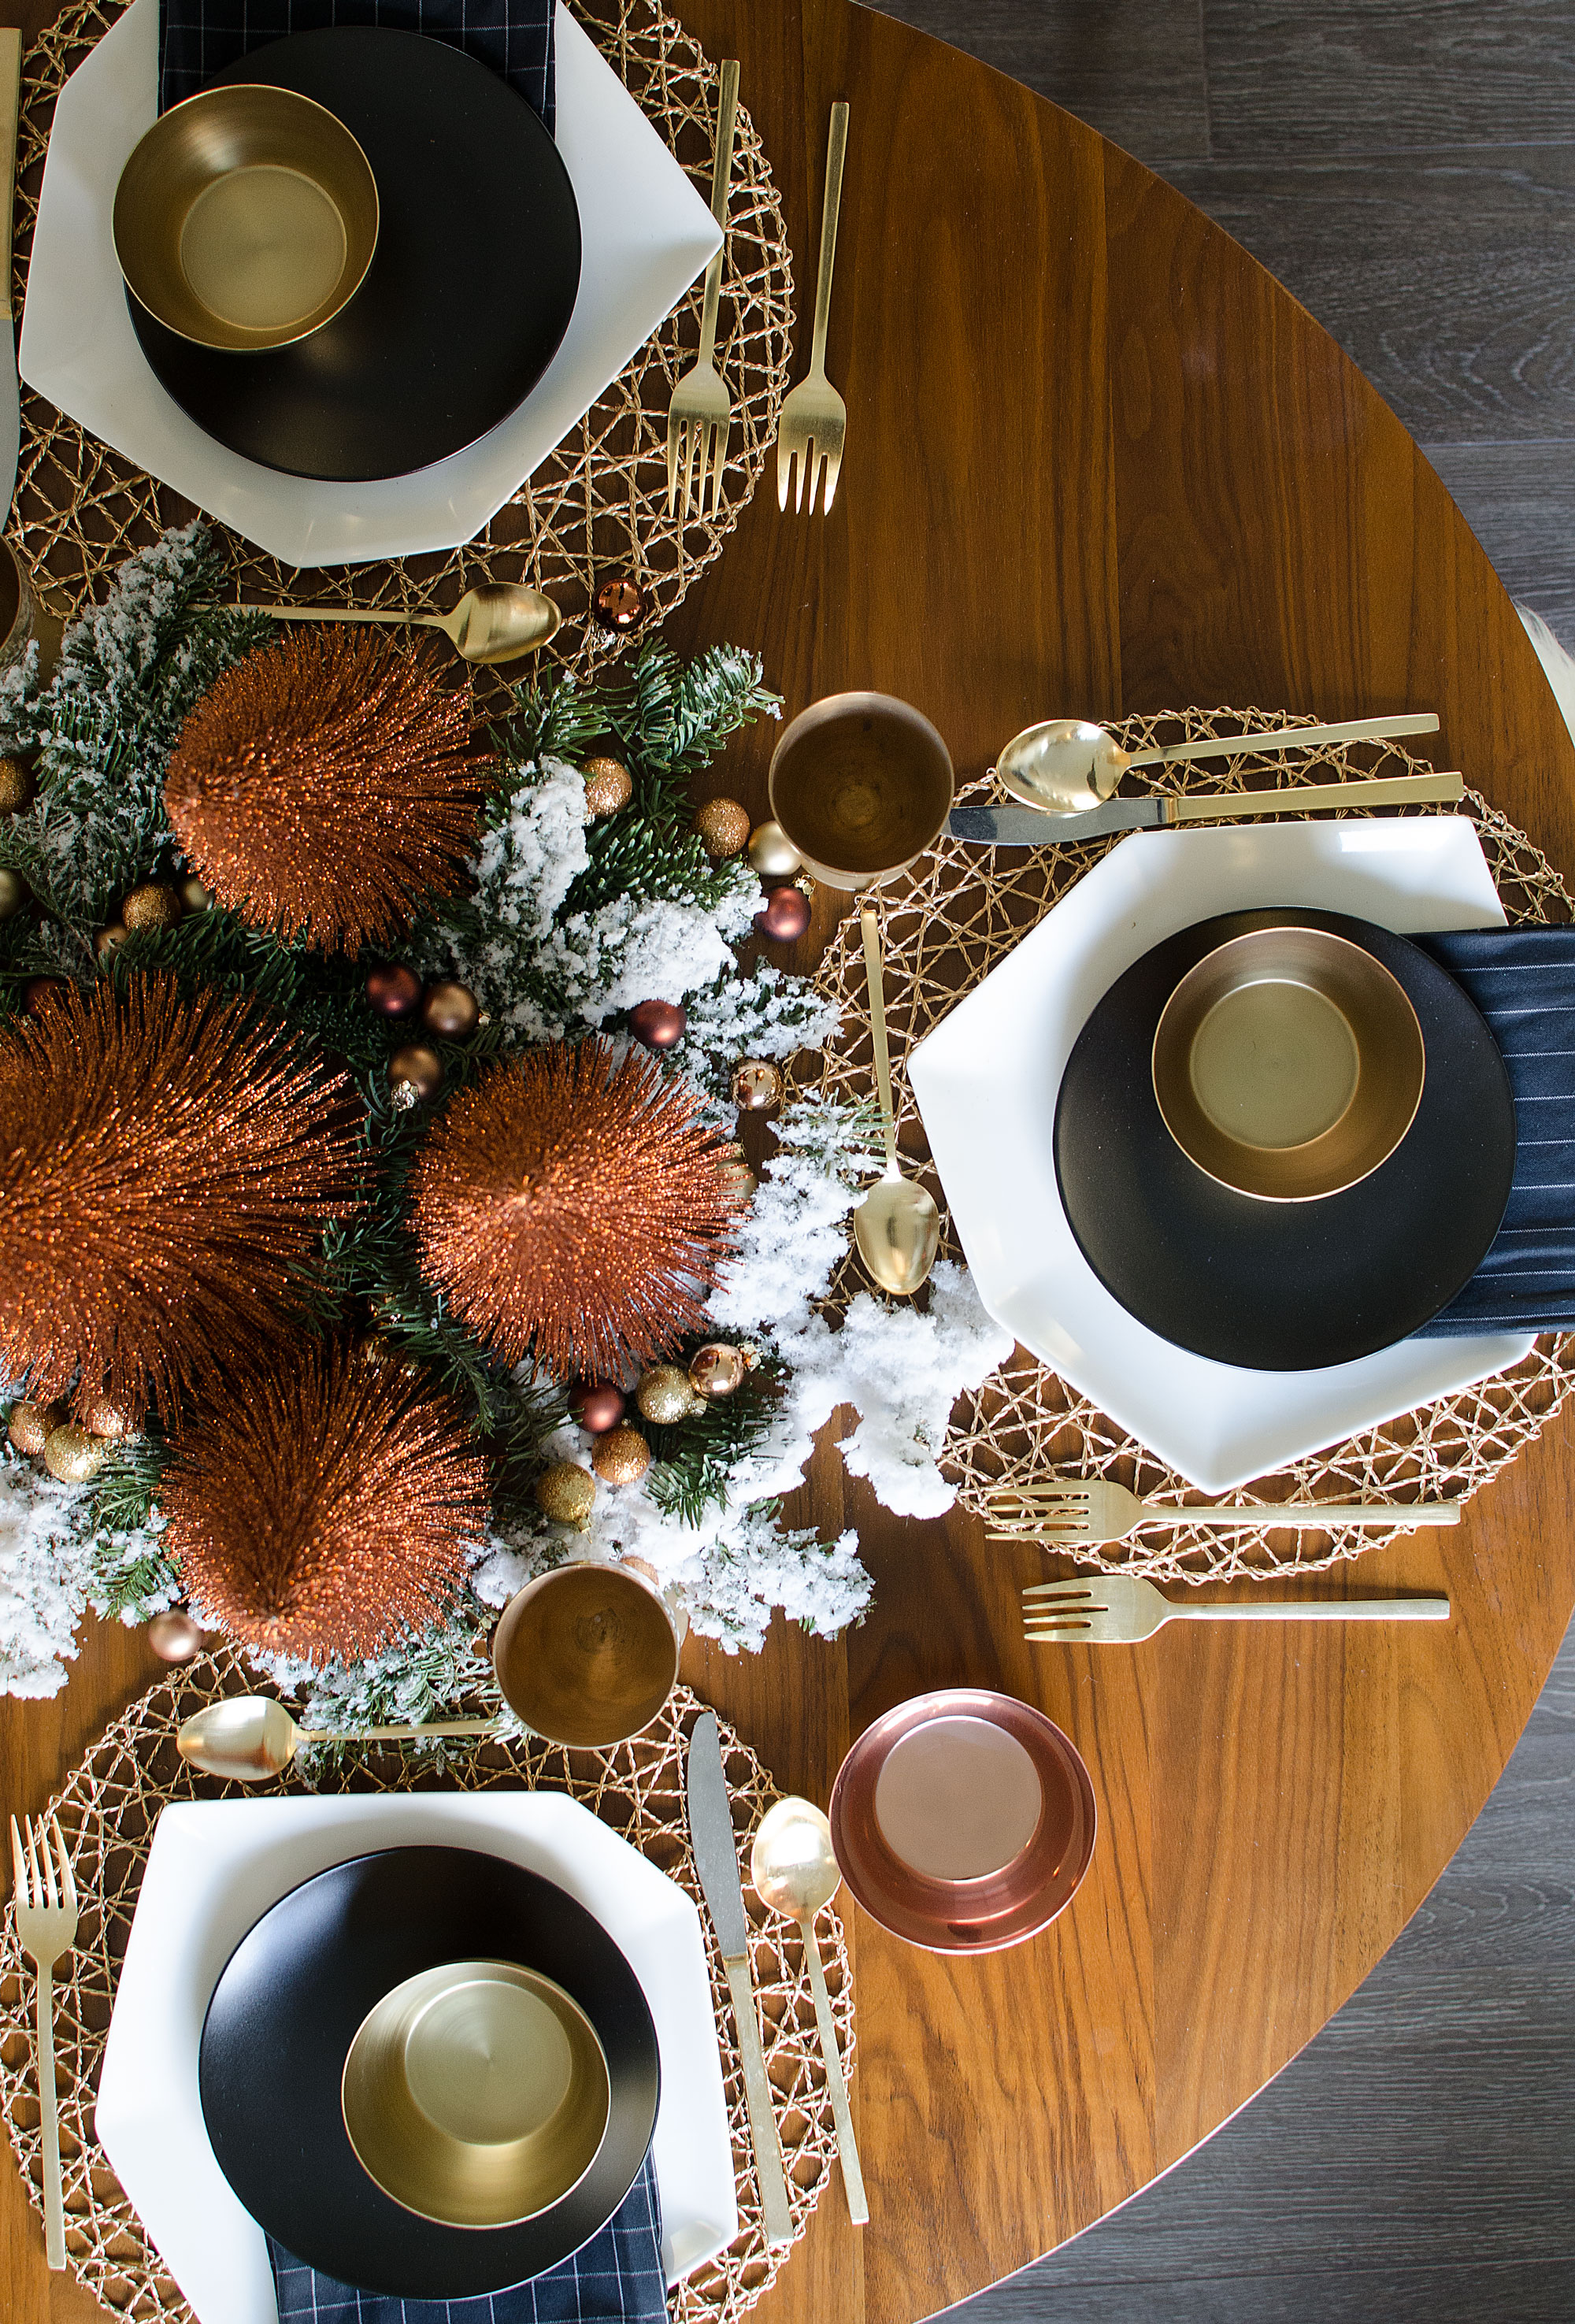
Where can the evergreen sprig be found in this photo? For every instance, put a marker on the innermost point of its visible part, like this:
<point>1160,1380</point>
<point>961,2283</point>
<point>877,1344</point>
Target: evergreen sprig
<point>692,1461</point>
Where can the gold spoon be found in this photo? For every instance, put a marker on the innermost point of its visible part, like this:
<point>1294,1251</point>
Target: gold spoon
<point>496,621</point>
<point>1067,766</point>
<point>794,1873</point>
<point>248,1737</point>
<point>896,1226</point>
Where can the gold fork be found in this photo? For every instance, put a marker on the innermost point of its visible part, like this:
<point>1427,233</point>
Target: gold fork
<point>1117,1610</point>
<point>1088,1510</point>
<point>700,416</point>
<point>46,1922</point>
<point>814,419</point>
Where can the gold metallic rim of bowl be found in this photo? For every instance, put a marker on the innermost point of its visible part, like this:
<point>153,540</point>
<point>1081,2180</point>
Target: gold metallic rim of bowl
<point>476,2094</point>
<point>586,1655</point>
<point>1247,1059</point>
<point>860,832</point>
<point>201,150</point>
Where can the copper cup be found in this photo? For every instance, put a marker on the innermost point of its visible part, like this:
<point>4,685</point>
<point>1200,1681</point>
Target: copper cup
<point>587,1654</point>
<point>863,785</point>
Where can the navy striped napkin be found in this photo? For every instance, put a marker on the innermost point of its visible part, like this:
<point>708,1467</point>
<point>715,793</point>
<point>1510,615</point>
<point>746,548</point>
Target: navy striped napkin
<point>1523,980</point>
<point>615,2279</point>
<point>199,38</point>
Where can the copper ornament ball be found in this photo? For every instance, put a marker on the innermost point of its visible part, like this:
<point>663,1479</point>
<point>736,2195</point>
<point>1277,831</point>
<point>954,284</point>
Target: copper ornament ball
<point>156,904</point>
<point>722,828</point>
<point>16,786</point>
<point>103,1419</point>
<point>597,1404</point>
<point>757,1085</point>
<point>658,1023</point>
<point>567,1493</point>
<point>622,1457</point>
<point>29,1424</point>
<point>34,991</point>
<point>415,1073</point>
<point>717,1370</point>
<point>784,916</point>
<point>450,1009</point>
<point>618,606</point>
<point>13,894</point>
<point>174,1636</point>
<point>72,1455</point>
<point>609,785</point>
<point>665,1396</point>
<point>773,854</point>
<point>393,990</point>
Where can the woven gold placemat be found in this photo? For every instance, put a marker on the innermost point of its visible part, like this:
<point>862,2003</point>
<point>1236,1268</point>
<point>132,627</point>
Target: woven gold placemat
<point>948,922</point>
<point>108,1808</point>
<point>596,509</point>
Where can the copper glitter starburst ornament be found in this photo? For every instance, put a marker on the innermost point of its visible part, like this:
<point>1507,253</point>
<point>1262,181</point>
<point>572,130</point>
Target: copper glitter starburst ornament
<point>166,1166</point>
<point>574,1208</point>
<point>323,784</point>
<point>326,1509</point>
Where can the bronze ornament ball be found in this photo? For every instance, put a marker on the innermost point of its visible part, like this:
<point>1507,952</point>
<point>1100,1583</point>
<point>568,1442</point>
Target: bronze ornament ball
<point>597,1404</point>
<point>659,1024</point>
<point>72,1455</point>
<point>15,785</point>
<point>784,916</point>
<point>156,904</point>
<point>665,1396</point>
<point>30,1426</point>
<point>617,604</point>
<point>773,854</point>
<point>415,1073</point>
<point>450,1009</point>
<point>567,1493</point>
<point>722,828</point>
<point>757,1085</point>
<point>622,1457</point>
<point>174,1636</point>
<point>609,785</point>
<point>393,990</point>
<point>34,990</point>
<point>717,1370</point>
<point>13,894</point>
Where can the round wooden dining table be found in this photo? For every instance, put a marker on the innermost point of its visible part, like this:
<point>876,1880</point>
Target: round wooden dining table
<point>1098,461</point>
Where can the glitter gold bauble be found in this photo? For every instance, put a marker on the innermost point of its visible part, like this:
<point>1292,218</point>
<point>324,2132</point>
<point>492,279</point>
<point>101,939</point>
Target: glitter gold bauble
<point>450,1011</point>
<point>102,1418</point>
<point>393,990</point>
<point>609,785</point>
<point>156,904</point>
<point>72,1455</point>
<point>622,1457</point>
<point>328,1508</point>
<point>665,1396</point>
<point>717,1370</point>
<point>569,1204</point>
<point>773,854</point>
<point>29,1424</point>
<point>166,1168</point>
<point>415,1073</point>
<point>174,1636</point>
<point>13,895</point>
<point>784,916</point>
<point>597,1404</point>
<point>325,784</point>
<point>722,828</point>
<point>16,786</point>
<point>567,1493</point>
<point>757,1085</point>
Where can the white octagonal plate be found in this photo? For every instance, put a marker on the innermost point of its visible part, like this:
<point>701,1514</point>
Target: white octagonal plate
<point>987,1080</point>
<point>646,232</point>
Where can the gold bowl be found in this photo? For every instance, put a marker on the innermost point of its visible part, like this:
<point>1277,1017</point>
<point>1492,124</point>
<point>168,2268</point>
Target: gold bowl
<point>476,2094</point>
<point>247,217</point>
<point>586,1655</point>
<point>863,785</point>
<point>1288,1063</point>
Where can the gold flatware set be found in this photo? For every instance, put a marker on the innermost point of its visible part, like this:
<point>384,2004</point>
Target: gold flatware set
<point>1119,1609</point>
<point>1085,1511</point>
<point>700,416</point>
<point>45,1901</point>
<point>814,425</point>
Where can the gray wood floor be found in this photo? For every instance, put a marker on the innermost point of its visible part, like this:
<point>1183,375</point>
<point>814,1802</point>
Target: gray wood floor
<point>1407,167</point>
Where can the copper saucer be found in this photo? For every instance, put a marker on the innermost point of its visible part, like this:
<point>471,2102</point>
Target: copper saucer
<point>963,1821</point>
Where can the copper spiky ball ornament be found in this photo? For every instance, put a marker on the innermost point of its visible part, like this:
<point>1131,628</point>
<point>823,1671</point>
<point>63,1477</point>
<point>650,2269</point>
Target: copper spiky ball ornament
<point>323,784</point>
<point>166,1166</point>
<point>573,1206</point>
<point>325,1510</point>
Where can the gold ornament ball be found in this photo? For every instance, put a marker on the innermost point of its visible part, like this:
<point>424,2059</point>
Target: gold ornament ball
<point>107,940</point>
<point>717,1370</point>
<point>174,1636</point>
<point>103,1419</point>
<point>29,1424</point>
<point>757,1085</point>
<point>665,1396</point>
<point>154,905</point>
<point>773,854</point>
<point>450,1009</point>
<point>723,828</point>
<point>194,895</point>
<point>13,894</point>
<point>567,1493</point>
<point>72,1455</point>
<point>737,1178</point>
<point>609,785</point>
<point>414,1073</point>
<point>622,1457</point>
<point>15,787</point>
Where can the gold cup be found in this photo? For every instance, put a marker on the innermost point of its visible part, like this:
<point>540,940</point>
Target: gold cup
<point>1288,1063</point>
<point>587,1654</point>
<point>863,785</point>
<point>476,2094</point>
<point>247,217</point>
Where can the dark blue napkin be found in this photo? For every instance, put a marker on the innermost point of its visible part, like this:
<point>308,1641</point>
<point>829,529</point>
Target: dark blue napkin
<point>1523,980</point>
<point>615,2279</point>
<point>199,38</point>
